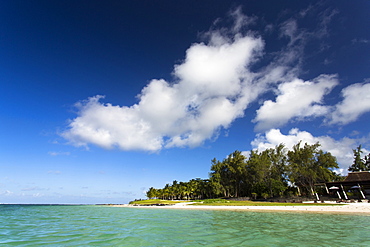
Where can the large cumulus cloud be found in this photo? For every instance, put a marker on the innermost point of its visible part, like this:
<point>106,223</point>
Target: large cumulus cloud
<point>213,88</point>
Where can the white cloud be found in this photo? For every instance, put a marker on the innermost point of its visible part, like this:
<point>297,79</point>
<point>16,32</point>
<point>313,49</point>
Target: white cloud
<point>37,195</point>
<point>325,19</point>
<point>33,188</point>
<point>290,29</point>
<point>356,101</point>
<point>53,153</point>
<point>296,99</point>
<point>7,193</point>
<point>364,41</point>
<point>213,89</point>
<point>213,86</point>
<point>341,149</point>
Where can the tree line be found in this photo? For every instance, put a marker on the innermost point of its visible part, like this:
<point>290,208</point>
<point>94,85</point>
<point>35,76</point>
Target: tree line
<point>270,173</point>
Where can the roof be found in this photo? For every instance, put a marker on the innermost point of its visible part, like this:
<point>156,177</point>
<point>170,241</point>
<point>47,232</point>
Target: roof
<point>353,178</point>
<point>358,177</point>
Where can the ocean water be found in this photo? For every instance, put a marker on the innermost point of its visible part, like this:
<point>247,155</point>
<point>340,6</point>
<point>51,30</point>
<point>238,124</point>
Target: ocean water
<point>30,225</point>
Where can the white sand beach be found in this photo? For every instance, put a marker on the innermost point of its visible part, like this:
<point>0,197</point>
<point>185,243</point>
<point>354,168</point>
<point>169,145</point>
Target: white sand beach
<point>345,208</point>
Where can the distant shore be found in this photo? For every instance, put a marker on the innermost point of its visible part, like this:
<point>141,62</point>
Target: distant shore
<point>347,208</point>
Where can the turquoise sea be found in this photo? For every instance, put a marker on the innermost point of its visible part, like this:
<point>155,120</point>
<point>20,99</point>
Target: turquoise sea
<point>35,225</point>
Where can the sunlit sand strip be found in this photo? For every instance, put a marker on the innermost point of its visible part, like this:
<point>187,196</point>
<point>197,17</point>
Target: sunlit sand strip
<point>350,208</point>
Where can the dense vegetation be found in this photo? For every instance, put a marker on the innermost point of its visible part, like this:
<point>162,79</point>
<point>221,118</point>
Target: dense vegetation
<point>219,202</point>
<point>270,173</point>
<point>154,202</point>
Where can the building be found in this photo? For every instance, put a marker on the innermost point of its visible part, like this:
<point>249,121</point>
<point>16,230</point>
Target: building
<point>355,186</point>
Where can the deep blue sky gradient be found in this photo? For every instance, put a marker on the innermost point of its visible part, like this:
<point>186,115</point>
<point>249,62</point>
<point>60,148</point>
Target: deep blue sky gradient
<point>56,53</point>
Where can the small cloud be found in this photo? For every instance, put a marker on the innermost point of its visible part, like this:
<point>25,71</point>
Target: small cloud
<point>327,61</point>
<point>7,193</point>
<point>53,153</point>
<point>361,41</point>
<point>293,102</point>
<point>356,102</point>
<point>54,172</point>
<point>30,189</point>
<point>304,12</point>
<point>246,153</point>
<point>354,133</point>
<point>269,28</point>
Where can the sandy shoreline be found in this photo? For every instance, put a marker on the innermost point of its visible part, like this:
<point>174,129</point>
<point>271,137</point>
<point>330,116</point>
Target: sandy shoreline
<point>348,208</point>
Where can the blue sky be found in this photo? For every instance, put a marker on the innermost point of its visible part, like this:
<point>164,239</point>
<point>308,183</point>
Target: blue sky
<point>103,99</point>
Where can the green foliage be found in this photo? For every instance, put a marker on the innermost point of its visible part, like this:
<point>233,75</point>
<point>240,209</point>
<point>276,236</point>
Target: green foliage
<point>194,189</point>
<point>270,173</point>
<point>359,164</point>
<point>254,195</point>
<point>152,193</point>
<point>251,203</point>
<point>221,202</point>
<point>153,202</point>
<point>266,172</point>
<point>265,195</point>
<point>227,176</point>
<point>309,165</point>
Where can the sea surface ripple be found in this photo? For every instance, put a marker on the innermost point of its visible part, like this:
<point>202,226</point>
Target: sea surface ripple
<point>35,225</point>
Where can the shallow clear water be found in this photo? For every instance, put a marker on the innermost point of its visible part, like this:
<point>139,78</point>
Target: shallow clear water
<point>22,225</point>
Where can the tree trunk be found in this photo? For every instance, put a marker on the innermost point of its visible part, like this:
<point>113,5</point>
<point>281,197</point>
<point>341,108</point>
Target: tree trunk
<point>312,191</point>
